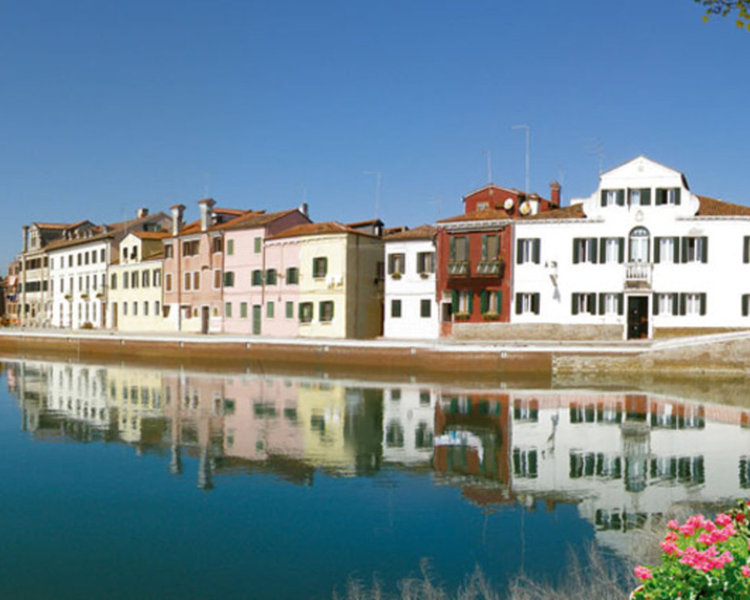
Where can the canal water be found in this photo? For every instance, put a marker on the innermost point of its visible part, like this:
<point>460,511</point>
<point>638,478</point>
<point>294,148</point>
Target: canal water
<point>123,482</point>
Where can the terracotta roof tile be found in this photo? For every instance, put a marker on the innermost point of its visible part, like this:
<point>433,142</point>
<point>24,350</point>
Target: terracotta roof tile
<point>151,235</point>
<point>423,232</point>
<point>711,207</point>
<point>253,219</point>
<point>329,227</point>
<point>573,211</point>
<point>487,214</point>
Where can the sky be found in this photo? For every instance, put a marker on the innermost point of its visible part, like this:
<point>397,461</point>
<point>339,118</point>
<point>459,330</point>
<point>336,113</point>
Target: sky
<point>107,106</point>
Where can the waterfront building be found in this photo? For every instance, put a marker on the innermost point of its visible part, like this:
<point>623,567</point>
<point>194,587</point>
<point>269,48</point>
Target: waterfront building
<point>408,424</point>
<point>34,284</point>
<point>340,279</point>
<point>10,293</point>
<point>474,257</point>
<point>260,281</point>
<point>642,255</point>
<point>411,308</point>
<point>135,283</point>
<point>79,269</point>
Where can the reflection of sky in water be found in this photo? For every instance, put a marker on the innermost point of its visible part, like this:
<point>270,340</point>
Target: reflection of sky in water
<point>315,481</point>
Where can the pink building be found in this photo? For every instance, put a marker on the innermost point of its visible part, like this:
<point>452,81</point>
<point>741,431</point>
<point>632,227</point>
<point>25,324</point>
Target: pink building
<point>261,281</point>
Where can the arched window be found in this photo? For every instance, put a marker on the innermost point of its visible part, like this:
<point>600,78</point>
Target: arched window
<point>639,245</point>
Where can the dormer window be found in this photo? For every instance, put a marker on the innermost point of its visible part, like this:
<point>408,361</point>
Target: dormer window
<point>483,205</point>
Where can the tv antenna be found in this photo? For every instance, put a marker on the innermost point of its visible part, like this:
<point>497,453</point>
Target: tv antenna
<point>378,183</point>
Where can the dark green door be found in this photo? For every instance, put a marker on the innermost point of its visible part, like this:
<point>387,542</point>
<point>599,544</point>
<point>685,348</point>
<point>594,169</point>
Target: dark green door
<point>256,319</point>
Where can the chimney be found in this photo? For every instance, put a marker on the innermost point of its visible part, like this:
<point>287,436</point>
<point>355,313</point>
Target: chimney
<point>141,212</point>
<point>206,205</point>
<point>554,193</point>
<point>303,209</point>
<point>178,210</point>
<point>25,237</point>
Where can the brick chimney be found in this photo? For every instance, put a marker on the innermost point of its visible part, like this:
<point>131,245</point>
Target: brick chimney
<point>554,193</point>
<point>178,210</point>
<point>206,205</point>
<point>141,212</point>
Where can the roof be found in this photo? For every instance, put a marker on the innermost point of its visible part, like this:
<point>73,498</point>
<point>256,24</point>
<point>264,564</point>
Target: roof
<point>488,214</point>
<point>573,211</point>
<point>711,207</point>
<point>494,186</point>
<point>363,223</point>
<point>329,227</point>
<point>55,226</point>
<point>423,232</point>
<point>104,232</point>
<point>253,219</point>
<point>151,235</point>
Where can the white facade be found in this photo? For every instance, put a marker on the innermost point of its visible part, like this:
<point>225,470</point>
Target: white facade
<point>642,253</point>
<point>411,308</point>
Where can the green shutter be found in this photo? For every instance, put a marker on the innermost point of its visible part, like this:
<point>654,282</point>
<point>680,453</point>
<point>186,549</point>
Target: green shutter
<point>657,250</point>
<point>621,250</point>
<point>602,250</point>
<point>604,197</point>
<point>471,301</point>
<point>535,303</point>
<point>620,304</point>
<point>655,303</point>
<point>535,250</point>
<point>677,196</point>
<point>703,304</point>
<point>519,257</point>
<point>519,304</point>
<point>646,196</point>
<point>620,197</point>
<point>484,301</point>
<point>601,304</point>
<point>683,304</point>
<point>746,249</point>
<point>675,303</point>
<point>684,246</point>
<point>676,246</point>
<point>499,301</point>
<point>592,247</point>
<point>454,301</point>
<point>704,249</point>
<point>575,250</point>
<point>745,304</point>
<point>573,304</point>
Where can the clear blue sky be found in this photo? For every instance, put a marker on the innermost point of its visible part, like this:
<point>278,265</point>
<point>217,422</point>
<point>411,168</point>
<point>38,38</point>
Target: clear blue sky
<point>106,105</point>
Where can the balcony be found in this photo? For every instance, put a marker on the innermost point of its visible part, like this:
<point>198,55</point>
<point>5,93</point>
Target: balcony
<point>490,268</point>
<point>638,274</point>
<point>458,268</point>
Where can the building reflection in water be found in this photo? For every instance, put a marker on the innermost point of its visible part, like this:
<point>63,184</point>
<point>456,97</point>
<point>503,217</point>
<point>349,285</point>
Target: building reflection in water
<point>624,459</point>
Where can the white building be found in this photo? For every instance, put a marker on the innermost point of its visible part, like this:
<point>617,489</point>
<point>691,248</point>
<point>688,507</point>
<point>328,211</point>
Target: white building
<point>640,255</point>
<point>411,308</point>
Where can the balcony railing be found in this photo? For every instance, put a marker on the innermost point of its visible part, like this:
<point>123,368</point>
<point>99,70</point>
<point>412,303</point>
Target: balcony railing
<point>458,267</point>
<point>638,274</point>
<point>489,267</point>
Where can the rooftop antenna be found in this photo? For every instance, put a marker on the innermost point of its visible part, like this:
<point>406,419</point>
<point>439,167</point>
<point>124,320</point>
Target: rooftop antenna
<point>596,148</point>
<point>378,182</point>
<point>528,152</point>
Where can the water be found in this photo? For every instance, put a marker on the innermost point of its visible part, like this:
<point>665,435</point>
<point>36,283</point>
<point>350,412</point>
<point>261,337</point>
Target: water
<point>122,482</point>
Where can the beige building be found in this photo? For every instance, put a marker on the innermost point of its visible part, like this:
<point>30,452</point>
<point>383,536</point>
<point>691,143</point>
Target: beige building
<point>135,284</point>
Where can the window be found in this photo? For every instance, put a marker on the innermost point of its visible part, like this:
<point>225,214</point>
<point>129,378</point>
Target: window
<point>168,282</point>
<point>93,256</point>
<point>125,281</point>
<point>217,278</point>
<point>320,267</point>
<point>491,301</point>
<point>666,250</point>
<point>257,277</point>
<point>527,251</point>
<point>218,244</point>
<point>156,308</point>
<point>146,278</point>
<point>610,304</point>
<point>157,277</point>
<point>668,196</point>
<point>228,310</point>
<point>639,245</point>
<point>483,205</point>
<point>695,249</point>
<point>243,310</point>
<point>665,304</point>
<point>459,248</point>
<point>135,309</point>
<point>639,197</point>
<point>490,247</point>
<point>612,250</point>
<point>425,309</point>
<point>102,255</point>
<point>190,248</point>
<point>527,303</point>
<point>584,250</point>
<point>745,305</point>
<point>145,309</point>
<point>270,276</point>
<point>188,281</point>
<point>395,264</point>
<point>292,276</point>
<point>168,251</point>
<point>270,310</point>
<point>693,304</point>
<point>257,245</point>
<point>463,302</point>
<point>396,309</point>
<point>228,278</point>
<point>124,308</point>
<point>325,310</point>
<point>113,281</point>
<point>425,262</point>
<point>305,312</point>
<point>613,197</point>
<point>86,258</point>
<point>196,280</point>
<point>583,303</point>
<point>289,310</point>
<point>134,279</point>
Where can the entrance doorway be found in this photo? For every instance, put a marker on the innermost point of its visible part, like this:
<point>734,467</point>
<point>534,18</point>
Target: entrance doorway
<point>637,317</point>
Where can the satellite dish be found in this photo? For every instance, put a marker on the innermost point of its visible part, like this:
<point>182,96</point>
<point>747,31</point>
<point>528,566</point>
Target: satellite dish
<point>525,208</point>
<point>508,204</point>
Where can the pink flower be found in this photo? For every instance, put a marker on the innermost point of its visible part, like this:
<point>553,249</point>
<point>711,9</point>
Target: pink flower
<point>723,519</point>
<point>643,573</point>
<point>745,570</point>
<point>674,525</point>
<point>687,529</point>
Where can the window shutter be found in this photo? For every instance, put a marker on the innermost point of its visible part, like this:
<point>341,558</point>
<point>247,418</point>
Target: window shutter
<point>677,196</point>
<point>574,304</point>
<point>602,249</point>
<point>704,249</point>
<point>484,301</point>
<point>519,304</point>
<point>655,302</point>
<point>703,304</point>
<point>604,197</point>
<point>659,197</point>
<point>745,304</point>
<point>601,304</point>
<point>499,301</point>
<point>535,303</point>
<point>453,248</point>
<point>657,250</point>
<point>576,243</point>
<point>746,249</point>
<point>519,256</point>
<point>454,301</point>
<point>620,303</point>
<point>535,250</point>
<point>684,245</point>
<point>675,299</point>
<point>620,197</point>
<point>621,250</point>
<point>471,301</point>
<point>646,196</point>
<point>683,302</point>
<point>676,246</point>
<point>592,248</point>
<point>592,303</point>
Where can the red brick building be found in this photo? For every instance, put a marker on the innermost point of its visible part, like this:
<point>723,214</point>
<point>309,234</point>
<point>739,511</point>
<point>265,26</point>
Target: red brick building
<point>475,251</point>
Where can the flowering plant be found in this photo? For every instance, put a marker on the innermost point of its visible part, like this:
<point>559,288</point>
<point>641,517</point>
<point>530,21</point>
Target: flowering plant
<point>701,559</point>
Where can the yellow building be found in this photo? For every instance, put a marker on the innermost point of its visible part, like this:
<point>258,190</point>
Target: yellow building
<point>340,280</point>
<point>135,289</point>
<point>135,403</point>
